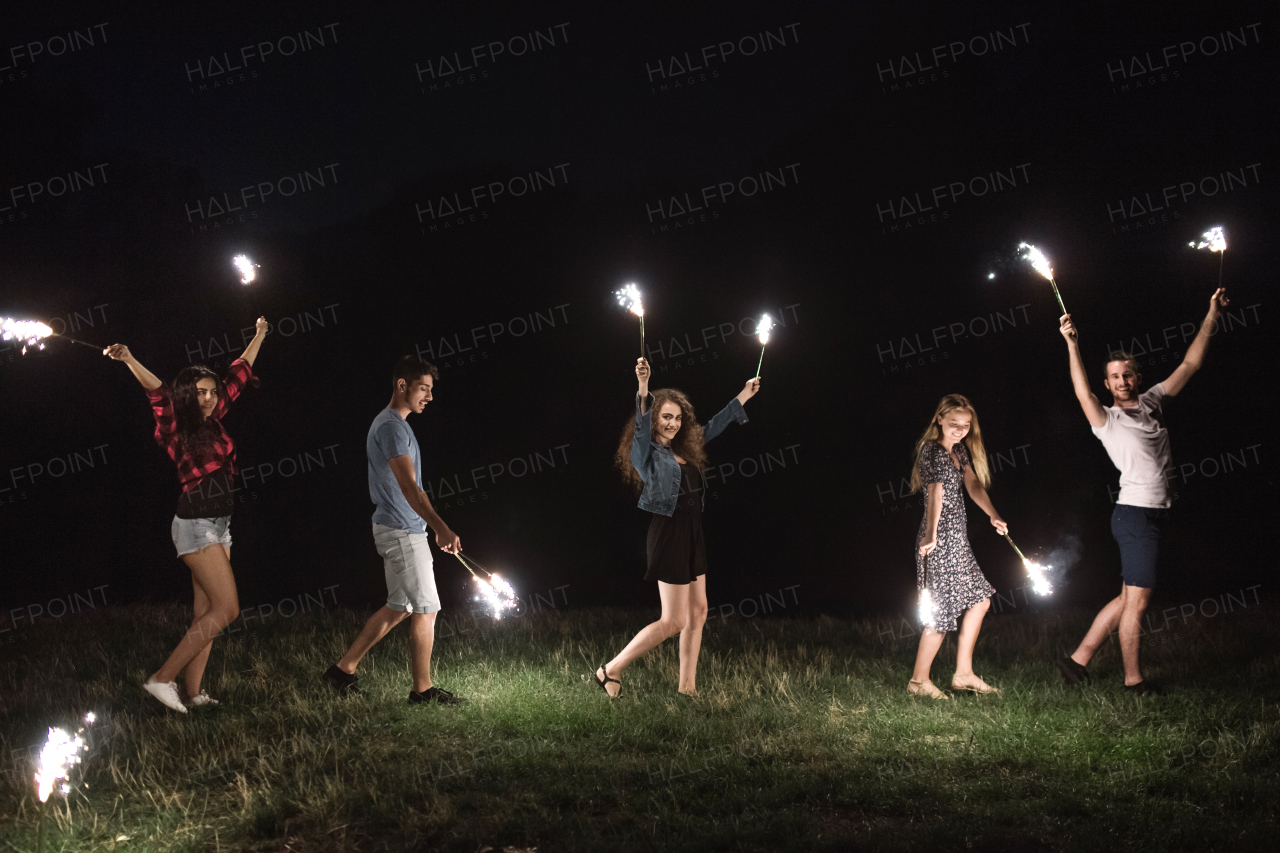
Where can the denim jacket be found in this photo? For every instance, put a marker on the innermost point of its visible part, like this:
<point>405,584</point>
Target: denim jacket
<point>656,462</point>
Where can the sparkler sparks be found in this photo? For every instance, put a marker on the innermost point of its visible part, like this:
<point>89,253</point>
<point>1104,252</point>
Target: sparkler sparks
<point>1040,264</point>
<point>925,610</point>
<point>495,591</point>
<point>1039,574</point>
<point>61,752</point>
<point>248,269</point>
<point>32,333</point>
<point>629,298</point>
<point>1215,240</point>
<point>762,331</point>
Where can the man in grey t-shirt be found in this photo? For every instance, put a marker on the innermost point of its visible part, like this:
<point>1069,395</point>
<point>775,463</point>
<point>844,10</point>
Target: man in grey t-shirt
<point>1134,435</point>
<point>400,518</point>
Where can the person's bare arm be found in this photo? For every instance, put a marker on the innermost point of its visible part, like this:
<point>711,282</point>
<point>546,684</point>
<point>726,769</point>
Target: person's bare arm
<point>933,512</point>
<point>402,468</point>
<point>978,492</point>
<point>120,352</point>
<point>260,332</point>
<point>1093,409</point>
<point>1194,358</point>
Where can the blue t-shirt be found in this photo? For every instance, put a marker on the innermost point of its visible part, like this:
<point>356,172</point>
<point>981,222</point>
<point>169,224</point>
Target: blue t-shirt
<point>390,436</point>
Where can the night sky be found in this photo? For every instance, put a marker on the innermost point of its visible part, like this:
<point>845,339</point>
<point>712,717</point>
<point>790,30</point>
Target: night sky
<point>473,183</point>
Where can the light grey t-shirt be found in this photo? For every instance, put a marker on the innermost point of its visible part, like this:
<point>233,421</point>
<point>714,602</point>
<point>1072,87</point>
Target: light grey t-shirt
<point>390,436</point>
<point>1138,444</point>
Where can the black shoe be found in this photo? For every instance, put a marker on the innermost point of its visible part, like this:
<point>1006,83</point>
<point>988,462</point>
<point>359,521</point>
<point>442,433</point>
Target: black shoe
<point>1072,672</point>
<point>442,697</point>
<point>341,681</point>
<point>1143,688</point>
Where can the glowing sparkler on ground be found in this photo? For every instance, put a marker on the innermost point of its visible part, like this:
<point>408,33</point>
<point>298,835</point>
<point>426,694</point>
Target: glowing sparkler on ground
<point>495,591</point>
<point>32,333</point>
<point>629,298</point>
<point>248,269</point>
<point>61,752</point>
<point>762,331</point>
<point>1215,240</point>
<point>1039,574</point>
<point>1041,265</point>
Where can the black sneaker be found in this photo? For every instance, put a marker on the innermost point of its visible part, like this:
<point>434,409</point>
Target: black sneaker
<point>1143,688</point>
<point>442,697</point>
<point>1072,672</point>
<point>341,681</point>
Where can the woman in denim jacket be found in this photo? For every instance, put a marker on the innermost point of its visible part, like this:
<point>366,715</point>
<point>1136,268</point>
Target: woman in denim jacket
<point>661,454</point>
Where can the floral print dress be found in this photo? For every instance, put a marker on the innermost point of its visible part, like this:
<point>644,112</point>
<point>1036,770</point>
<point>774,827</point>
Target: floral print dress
<point>955,582</point>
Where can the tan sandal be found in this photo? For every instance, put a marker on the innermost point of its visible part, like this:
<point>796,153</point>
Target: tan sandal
<point>931,691</point>
<point>982,691</point>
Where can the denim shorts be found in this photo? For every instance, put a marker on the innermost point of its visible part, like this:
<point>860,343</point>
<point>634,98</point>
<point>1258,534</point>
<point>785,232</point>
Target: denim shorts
<point>1137,530</point>
<point>406,561</point>
<point>195,534</point>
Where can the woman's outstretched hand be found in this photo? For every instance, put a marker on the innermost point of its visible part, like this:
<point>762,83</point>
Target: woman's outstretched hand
<point>749,390</point>
<point>261,327</point>
<point>642,374</point>
<point>119,352</point>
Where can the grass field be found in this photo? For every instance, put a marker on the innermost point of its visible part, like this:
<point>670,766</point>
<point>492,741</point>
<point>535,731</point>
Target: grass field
<point>804,738</point>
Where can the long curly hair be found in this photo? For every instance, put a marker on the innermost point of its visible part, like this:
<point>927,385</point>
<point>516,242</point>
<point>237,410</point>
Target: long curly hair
<point>688,443</point>
<point>195,432</point>
<point>972,441</point>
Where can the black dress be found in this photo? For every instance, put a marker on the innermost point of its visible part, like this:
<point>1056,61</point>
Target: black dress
<point>951,571</point>
<point>677,551</point>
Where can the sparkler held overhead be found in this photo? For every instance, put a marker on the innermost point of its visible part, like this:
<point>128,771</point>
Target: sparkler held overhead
<point>248,269</point>
<point>629,298</point>
<point>1039,574</point>
<point>1215,240</point>
<point>762,331</point>
<point>33,333</point>
<point>1040,263</point>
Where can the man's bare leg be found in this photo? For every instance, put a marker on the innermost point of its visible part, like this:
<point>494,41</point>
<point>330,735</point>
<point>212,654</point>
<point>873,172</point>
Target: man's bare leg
<point>377,626</point>
<point>1103,624</point>
<point>1135,604</point>
<point>422,637</point>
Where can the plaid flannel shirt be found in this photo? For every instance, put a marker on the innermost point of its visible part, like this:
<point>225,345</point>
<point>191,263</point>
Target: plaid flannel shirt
<point>222,454</point>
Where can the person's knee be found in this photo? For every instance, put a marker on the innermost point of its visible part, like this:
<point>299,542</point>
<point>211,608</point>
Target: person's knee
<point>697,613</point>
<point>672,626</point>
<point>981,607</point>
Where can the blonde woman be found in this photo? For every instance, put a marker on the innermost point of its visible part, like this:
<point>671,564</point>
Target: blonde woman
<point>950,455</point>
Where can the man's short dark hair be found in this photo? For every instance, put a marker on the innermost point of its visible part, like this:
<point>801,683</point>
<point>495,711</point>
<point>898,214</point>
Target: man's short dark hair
<point>1121,355</point>
<point>410,369</point>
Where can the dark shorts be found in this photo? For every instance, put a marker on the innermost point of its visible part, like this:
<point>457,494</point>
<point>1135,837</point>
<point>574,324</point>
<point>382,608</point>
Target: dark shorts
<point>1137,530</point>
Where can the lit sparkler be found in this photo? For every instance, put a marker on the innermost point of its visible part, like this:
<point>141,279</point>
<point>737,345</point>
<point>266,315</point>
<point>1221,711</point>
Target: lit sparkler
<point>629,298</point>
<point>926,608</point>
<point>495,591</point>
<point>61,752</point>
<point>1039,574</point>
<point>1041,265</point>
<point>762,331</point>
<point>1215,240</point>
<point>33,333</point>
<point>248,269</point>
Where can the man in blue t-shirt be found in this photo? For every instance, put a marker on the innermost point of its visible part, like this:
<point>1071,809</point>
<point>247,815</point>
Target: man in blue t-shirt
<point>403,512</point>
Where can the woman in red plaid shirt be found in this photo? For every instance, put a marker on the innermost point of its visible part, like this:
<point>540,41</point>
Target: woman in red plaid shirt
<point>189,426</point>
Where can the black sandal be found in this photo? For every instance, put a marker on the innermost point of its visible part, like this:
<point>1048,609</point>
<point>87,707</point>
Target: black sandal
<point>607,679</point>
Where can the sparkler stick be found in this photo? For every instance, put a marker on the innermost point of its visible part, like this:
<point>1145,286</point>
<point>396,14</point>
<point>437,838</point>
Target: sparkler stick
<point>496,591</point>
<point>1041,265</point>
<point>1215,240</point>
<point>1039,574</point>
<point>762,331</point>
<point>629,298</point>
<point>34,333</point>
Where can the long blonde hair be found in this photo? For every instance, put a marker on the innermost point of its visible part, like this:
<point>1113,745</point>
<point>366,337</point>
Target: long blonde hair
<point>972,441</point>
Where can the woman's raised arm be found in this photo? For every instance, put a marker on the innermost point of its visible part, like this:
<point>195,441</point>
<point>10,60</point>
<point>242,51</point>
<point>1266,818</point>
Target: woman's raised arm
<point>120,352</point>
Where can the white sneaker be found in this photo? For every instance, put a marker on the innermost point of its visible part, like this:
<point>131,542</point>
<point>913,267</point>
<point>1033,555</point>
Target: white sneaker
<point>166,692</point>
<point>203,699</point>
